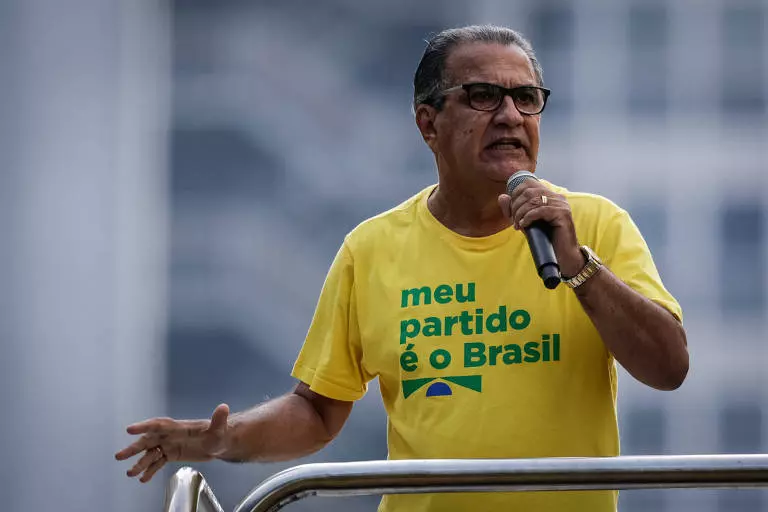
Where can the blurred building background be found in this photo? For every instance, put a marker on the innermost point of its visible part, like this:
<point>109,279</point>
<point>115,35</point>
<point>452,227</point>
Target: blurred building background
<point>175,179</point>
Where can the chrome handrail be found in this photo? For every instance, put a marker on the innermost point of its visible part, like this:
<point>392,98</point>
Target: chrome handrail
<point>470,475</point>
<point>189,492</point>
<point>491,475</point>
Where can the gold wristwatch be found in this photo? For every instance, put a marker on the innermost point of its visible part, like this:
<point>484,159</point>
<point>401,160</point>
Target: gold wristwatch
<point>590,268</point>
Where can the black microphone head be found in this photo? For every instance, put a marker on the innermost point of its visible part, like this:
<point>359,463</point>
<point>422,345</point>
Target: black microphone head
<point>517,178</point>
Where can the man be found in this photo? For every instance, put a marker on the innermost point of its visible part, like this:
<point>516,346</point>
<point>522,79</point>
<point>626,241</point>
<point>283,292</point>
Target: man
<point>439,298</point>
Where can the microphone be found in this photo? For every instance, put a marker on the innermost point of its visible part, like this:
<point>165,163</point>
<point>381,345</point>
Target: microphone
<point>538,239</point>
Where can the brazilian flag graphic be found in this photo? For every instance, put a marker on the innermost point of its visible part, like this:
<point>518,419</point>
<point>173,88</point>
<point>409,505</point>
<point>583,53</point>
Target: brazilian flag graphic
<point>441,388</point>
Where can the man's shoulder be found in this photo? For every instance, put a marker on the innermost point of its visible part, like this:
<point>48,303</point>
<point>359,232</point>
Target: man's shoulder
<point>588,203</point>
<point>387,223</point>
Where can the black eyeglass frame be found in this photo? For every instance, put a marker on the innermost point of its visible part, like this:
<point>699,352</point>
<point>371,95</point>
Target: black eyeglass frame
<point>506,91</point>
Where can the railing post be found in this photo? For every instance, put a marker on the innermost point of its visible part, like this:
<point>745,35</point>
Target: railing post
<point>187,491</point>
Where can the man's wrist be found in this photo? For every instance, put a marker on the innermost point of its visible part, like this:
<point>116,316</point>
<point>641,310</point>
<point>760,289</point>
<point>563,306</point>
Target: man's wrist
<point>573,265</point>
<point>227,453</point>
<point>591,267</point>
<point>224,451</point>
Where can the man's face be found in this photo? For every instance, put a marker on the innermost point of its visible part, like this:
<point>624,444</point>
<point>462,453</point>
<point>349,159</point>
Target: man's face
<point>473,145</point>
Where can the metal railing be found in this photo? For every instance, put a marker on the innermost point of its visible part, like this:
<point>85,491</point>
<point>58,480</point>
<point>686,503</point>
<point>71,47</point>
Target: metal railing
<point>472,475</point>
<point>188,491</point>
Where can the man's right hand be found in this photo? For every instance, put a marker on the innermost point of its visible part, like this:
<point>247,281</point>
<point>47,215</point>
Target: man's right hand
<point>166,439</point>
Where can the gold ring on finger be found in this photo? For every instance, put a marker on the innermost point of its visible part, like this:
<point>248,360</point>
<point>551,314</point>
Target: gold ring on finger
<point>544,199</point>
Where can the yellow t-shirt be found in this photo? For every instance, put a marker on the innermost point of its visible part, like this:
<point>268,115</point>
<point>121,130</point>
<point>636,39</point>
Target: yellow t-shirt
<point>475,357</point>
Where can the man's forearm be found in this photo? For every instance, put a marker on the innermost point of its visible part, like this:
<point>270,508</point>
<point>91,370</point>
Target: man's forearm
<point>644,337</point>
<point>285,428</point>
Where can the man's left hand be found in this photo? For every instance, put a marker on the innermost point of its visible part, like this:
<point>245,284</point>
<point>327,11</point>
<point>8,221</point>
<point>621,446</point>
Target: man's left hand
<point>532,201</point>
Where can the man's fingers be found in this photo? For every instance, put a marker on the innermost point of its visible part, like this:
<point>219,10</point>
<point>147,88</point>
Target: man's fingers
<point>520,214</point>
<point>152,455</point>
<point>521,199</point>
<point>533,199</point>
<point>525,185</point>
<point>524,206</point>
<point>504,202</point>
<point>137,447</point>
<point>127,453</point>
<point>145,426</point>
<point>152,469</point>
<point>530,216</point>
<point>547,214</point>
<point>219,418</point>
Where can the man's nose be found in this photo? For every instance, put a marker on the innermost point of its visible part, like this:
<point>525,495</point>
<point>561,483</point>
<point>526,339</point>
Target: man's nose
<point>507,113</point>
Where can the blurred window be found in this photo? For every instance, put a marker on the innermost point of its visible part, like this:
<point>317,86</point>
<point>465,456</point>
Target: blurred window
<point>741,428</point>
<point>743,84</point>
<point>742,258</point>
<point>648,42</point>
<point>552,36</point>
<point>644,432</point>
<point>388,60</point>
<point>650,216</point>
<point>221,164</point>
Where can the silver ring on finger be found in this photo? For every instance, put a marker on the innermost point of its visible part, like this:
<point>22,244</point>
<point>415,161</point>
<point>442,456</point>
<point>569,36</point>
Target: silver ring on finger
<point>544,200</point>
<point>160,452</point>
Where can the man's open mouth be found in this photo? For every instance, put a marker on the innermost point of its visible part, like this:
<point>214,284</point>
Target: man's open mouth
<point>506,143</point>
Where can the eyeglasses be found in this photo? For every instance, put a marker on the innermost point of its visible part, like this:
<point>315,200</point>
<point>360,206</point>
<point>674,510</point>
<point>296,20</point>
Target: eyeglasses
<point>528,99</point>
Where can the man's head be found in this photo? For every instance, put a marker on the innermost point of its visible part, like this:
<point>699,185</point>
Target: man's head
<point>489,144</point>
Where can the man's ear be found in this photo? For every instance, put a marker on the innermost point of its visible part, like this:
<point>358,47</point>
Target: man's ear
<point>425,121</point>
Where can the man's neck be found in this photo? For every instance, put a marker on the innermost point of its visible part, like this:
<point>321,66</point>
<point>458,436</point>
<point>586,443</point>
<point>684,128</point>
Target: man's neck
<point>468,213</point>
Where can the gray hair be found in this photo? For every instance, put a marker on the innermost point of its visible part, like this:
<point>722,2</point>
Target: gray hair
<point>430,78</point>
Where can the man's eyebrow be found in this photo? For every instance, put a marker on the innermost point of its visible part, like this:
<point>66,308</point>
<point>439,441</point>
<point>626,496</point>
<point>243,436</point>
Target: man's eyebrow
<point>524,84</point>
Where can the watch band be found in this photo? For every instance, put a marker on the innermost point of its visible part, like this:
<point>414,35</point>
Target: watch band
<point>590,268</point>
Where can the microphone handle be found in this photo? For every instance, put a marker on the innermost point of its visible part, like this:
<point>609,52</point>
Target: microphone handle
<point>543,254</point>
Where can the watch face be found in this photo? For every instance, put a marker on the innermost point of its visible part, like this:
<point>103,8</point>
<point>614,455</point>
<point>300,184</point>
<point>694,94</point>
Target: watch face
<point>591,254</point>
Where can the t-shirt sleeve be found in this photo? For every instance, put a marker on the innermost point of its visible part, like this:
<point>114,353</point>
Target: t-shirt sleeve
<point>330,361</point>
<point>626,254</point>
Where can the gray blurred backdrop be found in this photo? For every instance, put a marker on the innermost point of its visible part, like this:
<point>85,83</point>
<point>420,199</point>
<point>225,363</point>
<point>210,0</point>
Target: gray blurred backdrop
<point>176,178</point>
